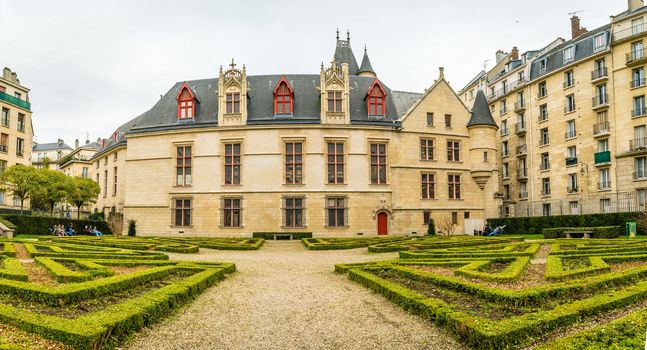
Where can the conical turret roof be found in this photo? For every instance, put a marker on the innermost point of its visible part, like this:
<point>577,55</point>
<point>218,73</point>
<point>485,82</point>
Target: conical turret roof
<point>366,64</point>
<point>481,114</point>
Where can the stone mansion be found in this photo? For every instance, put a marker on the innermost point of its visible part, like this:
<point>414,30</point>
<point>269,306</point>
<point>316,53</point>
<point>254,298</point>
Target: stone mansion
<point>337,153</point>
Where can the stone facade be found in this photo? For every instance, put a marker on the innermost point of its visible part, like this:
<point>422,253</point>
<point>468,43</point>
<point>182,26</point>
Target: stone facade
<point>379,146</point>
<point>15,127</point>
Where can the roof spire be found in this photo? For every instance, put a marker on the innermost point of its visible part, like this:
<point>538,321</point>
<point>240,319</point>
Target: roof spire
<point>441,75</point>
<point>348,35</point>
<point>481,114</point>
<point>365,68</point>
<point>337,33</point>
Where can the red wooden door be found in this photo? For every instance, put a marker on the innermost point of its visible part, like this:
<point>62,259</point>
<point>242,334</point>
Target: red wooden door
<point>382,225</point>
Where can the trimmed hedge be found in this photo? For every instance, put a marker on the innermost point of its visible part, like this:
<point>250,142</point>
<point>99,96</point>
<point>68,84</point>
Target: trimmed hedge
<point>555,269</point>
<point>270,235</point>
<point>41,225</point>
<point>535,225</point>
<point>596,232</point>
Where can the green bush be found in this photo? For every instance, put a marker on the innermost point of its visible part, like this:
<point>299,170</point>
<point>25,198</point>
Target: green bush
<point>98,216</point>
<point>132,228</point>
<point>596,232</point>
<point>535,225</point>
<point>41,225</point>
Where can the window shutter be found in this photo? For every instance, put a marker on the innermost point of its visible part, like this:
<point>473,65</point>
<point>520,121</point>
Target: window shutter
<point>283,214</point>
<point>346,209</point>
<point>222,212</point>
<point>303,212</point>
<point>240,223</point>
<point>326,212</point>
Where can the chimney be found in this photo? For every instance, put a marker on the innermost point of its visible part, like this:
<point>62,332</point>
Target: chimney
<point>633,5</point>
<point>576,28</point>
<point>76,143</point>
<point>60,142</point>
<point>500,55</point>
<point>6,73</point>
<point>514,54</point>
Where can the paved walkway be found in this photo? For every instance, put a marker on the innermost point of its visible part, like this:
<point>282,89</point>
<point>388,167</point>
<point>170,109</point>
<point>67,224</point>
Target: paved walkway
<point>286,297</point>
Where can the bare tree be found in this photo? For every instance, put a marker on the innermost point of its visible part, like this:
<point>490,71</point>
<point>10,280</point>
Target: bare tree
<point>446,226</point>
<point>116,223</point>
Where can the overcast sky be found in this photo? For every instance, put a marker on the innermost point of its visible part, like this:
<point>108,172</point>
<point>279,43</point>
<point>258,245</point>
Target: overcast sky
<point>93,65</point>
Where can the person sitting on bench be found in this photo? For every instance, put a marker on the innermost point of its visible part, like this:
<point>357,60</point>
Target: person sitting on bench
<point>70,231</point>
<point>96,232</point>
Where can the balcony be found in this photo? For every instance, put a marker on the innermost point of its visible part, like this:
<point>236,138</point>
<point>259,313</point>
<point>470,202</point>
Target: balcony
<point>570,135</point>
<point>569,109</point>
<point>640,175</point>
<point>523,195</point>
<point>636,57</point>
<point>15,101</point>
<point>504,131</point>
<point>503,111</point>
<point>522,150</point>
<point>522,174</point>
<point>602,158</point>
<point>600,102</point>
<point>604,185</point>
<point>637,145</point>
<point>4,148</point>
<point>544,167</point>
<point>542,94</point>
<point>569,84</point>
<point>542,117</point>
<point>570,161</point>
<point>601,129</point>
<point>639,112</point>
<point>571,189</point>
<point>544,142</point>
<point>520,128</point>
<point>599,74</point>
<point>505,153</point>
<point>629,33</point>
<point>637,82</point>
<point>519,106</point>
<point>545,192</point>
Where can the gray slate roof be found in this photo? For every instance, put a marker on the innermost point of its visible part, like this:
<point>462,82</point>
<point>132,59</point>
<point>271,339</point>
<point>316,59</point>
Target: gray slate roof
<point>481,114</point>
<point>260,104</point>
<point>584,48</point>
<point>343,53</point>
<point>366,64</point>
<point>52,146</point>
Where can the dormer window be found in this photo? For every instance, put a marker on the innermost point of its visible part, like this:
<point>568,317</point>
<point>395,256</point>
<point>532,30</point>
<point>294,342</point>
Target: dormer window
<point>334,101</point>
<point>283,98</point>
<point>185,103</point>
<point>376,99</point>
<point>232,102</point>
<point>569,54</point>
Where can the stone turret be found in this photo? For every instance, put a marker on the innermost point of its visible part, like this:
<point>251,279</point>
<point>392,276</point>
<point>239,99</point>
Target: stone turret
<point>366,69</point>
<point>482,130</point>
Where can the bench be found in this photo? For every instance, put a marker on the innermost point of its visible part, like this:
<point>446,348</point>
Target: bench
<point>585,234</point>
<point>283,236</point>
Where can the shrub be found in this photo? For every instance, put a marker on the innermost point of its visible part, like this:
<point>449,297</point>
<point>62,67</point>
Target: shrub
<point>41,225</point>
<point>270,235</point>
<point>98,216</point>
<point>535,225</point>
<point>132,227</point>
<point>431,229</point>
<point>596,232</point>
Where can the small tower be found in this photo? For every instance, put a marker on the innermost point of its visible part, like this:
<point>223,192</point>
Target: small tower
<point>365,69</point>
<point>344,54</point>
<point>482,130</point>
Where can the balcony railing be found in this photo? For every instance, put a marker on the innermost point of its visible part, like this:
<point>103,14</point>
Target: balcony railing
<point>639,112</point>
<point>544,166</point>
<point>505,153</point>
<point>523,195</point>
<point>600,73</point>
<point>604,185</point>
<point>600,101</point>
<point>542,70</point>
<point>503,111</point>
<point>570,134</point>
<point>569,109</point>
<point>542,94</point>
<point>544,142</point>
<point>545,191</point>
<point>638,144</point>
<point>637,82</point>
<point>522,174</point>
<point>601,128</point>
<point>504,131</point>
<point>568,84</point>
<point>15,101</point>
<point>4,148</point>
<point>640,175</point>
<point>571,189</point>
<point>520,128</point>
<point>635,56</point>
<point>519,106</point>
<point>571,161</point>
<point>629,32</point>
<point>542,117</point>
<point>522,150</point>
<point>603,157</point>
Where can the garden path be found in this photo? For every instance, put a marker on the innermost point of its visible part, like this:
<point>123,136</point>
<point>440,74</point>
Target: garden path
<point>286,297</point>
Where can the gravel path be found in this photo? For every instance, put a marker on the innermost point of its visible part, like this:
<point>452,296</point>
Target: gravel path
<point>286,297</point>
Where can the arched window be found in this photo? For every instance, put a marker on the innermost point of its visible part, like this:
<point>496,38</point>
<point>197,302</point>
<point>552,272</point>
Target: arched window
<point>283,98</point>
<point>376,98</point>
<point>185,103</point>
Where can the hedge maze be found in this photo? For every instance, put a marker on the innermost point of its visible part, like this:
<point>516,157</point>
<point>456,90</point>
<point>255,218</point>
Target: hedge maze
<point>187,245</point>
<point>89,296</point>
<point>395,244</point>
<point>511,295</point>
